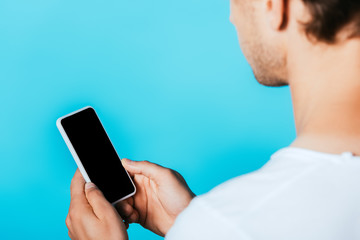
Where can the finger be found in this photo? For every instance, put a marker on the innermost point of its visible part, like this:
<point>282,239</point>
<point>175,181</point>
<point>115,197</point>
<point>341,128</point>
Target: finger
<point>78,204</point>
<point>68,222</point>
<point>126,225</point>
<point>77,188</point>
<point>98,202</point>
<point>133,218</point>
<point>146,168</point>
<point>124,209</point>
<point>70,235</point>
<point>130,200</point>
<point>69,226</point>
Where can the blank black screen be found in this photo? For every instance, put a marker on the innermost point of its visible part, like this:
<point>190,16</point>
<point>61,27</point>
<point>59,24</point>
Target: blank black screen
<point>97,154</point>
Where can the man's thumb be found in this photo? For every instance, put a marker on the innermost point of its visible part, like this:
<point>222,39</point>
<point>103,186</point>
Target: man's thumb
<point>146,168</point>
<point>97,200</point>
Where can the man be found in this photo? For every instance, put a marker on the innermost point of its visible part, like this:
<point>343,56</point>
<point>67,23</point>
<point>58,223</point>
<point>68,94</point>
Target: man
<point>310,190</point>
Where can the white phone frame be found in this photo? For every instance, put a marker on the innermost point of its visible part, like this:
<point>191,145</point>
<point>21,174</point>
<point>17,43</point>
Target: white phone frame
<point>76,157</point>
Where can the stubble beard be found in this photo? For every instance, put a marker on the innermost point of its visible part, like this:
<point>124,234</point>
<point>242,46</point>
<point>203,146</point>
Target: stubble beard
<point>267,63</point>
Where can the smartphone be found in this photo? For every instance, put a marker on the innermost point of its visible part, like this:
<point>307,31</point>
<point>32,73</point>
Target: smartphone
<point>95,155</point>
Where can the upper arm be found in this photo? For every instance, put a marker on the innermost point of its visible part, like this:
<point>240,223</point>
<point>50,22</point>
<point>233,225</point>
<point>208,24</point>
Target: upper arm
<point>201,221</point>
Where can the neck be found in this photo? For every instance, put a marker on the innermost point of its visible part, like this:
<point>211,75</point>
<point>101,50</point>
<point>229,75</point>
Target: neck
<point>325,87</point>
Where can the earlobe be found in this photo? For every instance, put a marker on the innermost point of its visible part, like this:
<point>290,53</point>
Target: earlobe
<point>277,13</point>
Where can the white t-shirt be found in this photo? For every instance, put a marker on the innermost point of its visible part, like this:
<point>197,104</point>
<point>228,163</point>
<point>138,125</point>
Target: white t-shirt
<point>298,195</point>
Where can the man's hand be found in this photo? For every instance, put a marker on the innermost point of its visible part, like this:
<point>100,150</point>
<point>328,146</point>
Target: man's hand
<point>161,194</point>
<point>91,216</point>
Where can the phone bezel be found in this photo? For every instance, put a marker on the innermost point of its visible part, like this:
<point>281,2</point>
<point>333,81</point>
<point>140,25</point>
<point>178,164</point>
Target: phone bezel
<point>76,157</point>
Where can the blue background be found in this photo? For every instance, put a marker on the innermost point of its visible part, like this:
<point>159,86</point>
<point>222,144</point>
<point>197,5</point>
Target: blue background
<point>167,78</point>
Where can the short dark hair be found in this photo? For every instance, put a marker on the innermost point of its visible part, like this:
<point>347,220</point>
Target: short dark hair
<point>331,16</point>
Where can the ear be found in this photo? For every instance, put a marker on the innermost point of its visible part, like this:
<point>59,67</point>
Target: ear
<point>277,13</point>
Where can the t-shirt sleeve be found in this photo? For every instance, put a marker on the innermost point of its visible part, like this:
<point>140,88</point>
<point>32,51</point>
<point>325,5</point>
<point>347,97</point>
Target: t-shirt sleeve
<point>199,221</point>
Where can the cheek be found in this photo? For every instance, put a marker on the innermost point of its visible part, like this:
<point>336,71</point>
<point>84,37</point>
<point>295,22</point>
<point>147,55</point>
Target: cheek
<point>232,10</point>
<point>236,12</point>
<point>244,36</point>
<point>250,45</point>
<point>242,24</point>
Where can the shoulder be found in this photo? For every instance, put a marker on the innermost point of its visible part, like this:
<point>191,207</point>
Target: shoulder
<point>216,214</point>
<point>292,187</point>
<point>201,221</point>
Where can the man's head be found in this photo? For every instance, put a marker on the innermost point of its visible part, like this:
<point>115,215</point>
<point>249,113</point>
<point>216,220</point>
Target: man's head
<point>269,29</point>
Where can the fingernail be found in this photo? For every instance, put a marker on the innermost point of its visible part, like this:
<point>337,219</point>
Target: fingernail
<point>90,185</point>
<point>127,161</point>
